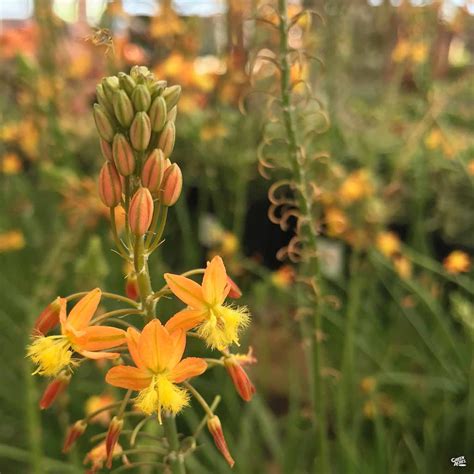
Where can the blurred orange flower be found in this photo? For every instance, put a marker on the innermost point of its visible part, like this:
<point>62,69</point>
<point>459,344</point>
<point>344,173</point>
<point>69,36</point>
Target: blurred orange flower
<point>457,262</point>
<point>12,240</point>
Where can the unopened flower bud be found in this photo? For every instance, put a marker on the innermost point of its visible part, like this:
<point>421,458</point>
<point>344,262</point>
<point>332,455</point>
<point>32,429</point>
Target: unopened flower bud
<point>103,100</point>
<point>157,88</point>
<point>172,185</point>
<point>171,96</point>
<point>141,98</point>
<point>140,131</point>
<point>240,379</point>
<point>158,114</point>
<point>153,169</point>
<point>49,318</point>
<point>103,123</point>
<point>113,434</point>
<point>139,72</point>
<point>110,186</point>
<point>172,114</point>
<point>126,83</point>
<point>73,433</point>
<point>215,428</point>
<point>53,390</point>
<point>123,108</point>
<point>111,85</point>
<point>140,213</point>
<point>235,291</point>
<point>167,138</point>
<point>123,155</point>
<point>131,287</point>
<point>106,150</point>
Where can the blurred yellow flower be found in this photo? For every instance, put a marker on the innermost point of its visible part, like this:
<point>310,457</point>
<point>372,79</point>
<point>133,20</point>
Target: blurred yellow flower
<point>368,384</point>
<point>212,131</point>
<point>401,51</point>
<point>80,65</point>
<point>457,262</point>
<point>356,186</point>
<point>10,164</point>
<point>229,244</point>
<point>284,276</point>
<point>434,140</point>
<point>96,402</point>
<point>9,132</point>
<point>419,52</point>
<point>12,240</point>
<point>380,406</point>
<point>402,266</point>
<point>336,221</point>
<point>470,167</point>
<point>388,243</point>
<point>29,138</point>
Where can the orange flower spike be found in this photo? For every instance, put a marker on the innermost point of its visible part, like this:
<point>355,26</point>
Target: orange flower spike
<point>157,354</point>
<point>218,324</point>
<point>52,354</point>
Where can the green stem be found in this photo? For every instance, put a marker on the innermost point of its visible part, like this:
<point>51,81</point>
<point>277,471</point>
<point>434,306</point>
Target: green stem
<point>176,459</point>
<point>143,278</point>
<point>151,231</point>
<point>309,233</point>
<point>200,399</point>
<point>159,231</point>
<point>116,312</point>
<point>120,247</point>
<point>111,296</point>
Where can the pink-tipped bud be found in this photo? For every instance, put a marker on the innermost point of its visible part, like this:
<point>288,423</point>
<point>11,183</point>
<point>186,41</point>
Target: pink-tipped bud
<point>140,131</point>
<point>49,318</point>
<point>240,379</point>
<point>235,292</point>
<point>110,186</point>
<point>106,150</point>
<point>167,138</point>
<point>113,434</point>
<point>73,433</point>
<point>215,428</point>
<point>123,155</point>
<point>140,213</point>
<point>53,390</point>
<point>153,170</point>
<point>172,185</point>
<point>131,287</point>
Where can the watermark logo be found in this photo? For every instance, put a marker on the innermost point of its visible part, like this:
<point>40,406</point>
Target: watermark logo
<point>459,461</point>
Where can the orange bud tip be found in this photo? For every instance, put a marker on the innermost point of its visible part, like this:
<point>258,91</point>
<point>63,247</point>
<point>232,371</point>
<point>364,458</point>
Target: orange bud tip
<point>235,292</point>
<point>240,379</point>
<point>113,434</point>
<point>172,185</point>
<point>215,428</point>
<point>140,213</point>
<point>110,185</point>
<point>49,318</point>
<point>131,288</point>
<point>73,433</point>
<point>53,390</point>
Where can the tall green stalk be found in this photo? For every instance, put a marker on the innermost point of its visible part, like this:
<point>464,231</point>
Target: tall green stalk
<point>309,237</point>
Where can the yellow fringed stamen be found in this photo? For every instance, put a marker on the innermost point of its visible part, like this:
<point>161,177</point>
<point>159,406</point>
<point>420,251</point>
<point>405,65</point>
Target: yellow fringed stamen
<point>223,326</point>
<point>162,394</point>
<point>51,354</point>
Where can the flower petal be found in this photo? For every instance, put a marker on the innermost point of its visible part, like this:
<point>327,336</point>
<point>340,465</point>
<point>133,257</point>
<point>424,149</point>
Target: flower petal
<point>155,346</point>
<point>84,309</point>
<point>186,290</point>
<point>133,338</point>
<point>185,320</point>
<point>125,376</point>
<point>187,368</point>
<point>179,344</point>
<point>215,287</point>
<point>97,338</point>
<point>96,355</point>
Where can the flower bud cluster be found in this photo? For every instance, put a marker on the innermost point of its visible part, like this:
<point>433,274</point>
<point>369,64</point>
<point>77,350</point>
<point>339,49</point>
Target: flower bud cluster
<point>135,118</point>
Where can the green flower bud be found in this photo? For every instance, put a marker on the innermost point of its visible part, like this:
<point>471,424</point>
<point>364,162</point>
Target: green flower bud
<point>123,108</point>
<point>103,123</point>
<point>111,85</point>
<point>167,138</point>
<point>126,83</point>
<point>141,98</point>
<point>171,96</point>
<point>139,72</point>
<point>102,99</point>
<point>157,88</point>
<point>153,169</point>
<point>158,114</point>
<point>123,155</point>
<point>172,114</point>
<point>140,131</point>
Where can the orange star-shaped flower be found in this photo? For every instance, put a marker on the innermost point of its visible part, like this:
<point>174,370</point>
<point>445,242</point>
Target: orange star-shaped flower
<point>157,354</point>
<point>54,353</point>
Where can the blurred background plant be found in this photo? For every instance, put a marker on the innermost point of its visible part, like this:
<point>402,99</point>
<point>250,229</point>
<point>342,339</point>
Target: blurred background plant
<point>393,187</point>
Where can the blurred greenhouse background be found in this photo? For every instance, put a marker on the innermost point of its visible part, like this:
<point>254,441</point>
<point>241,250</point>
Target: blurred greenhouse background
<point>391,186</point>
